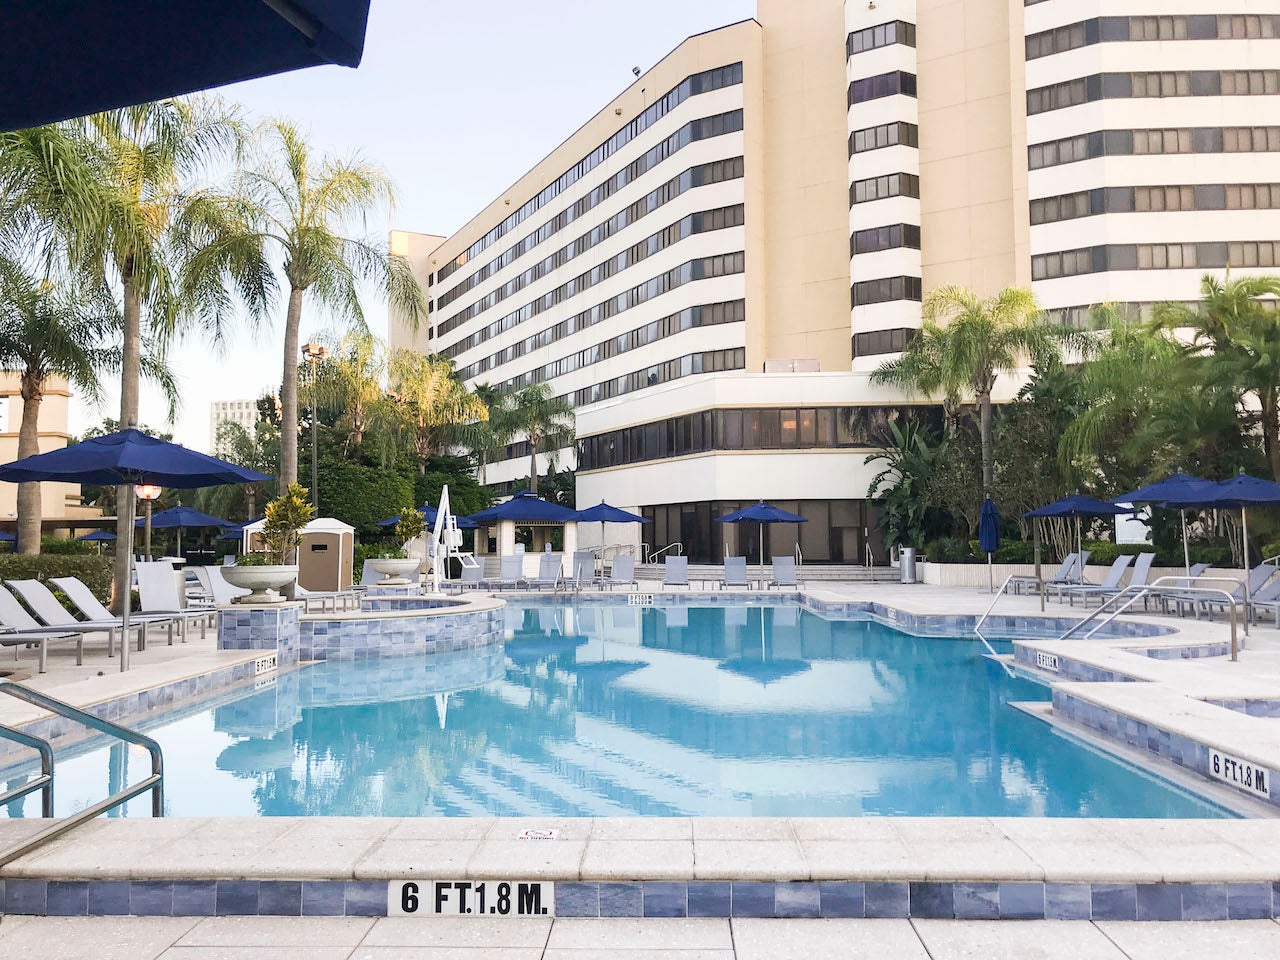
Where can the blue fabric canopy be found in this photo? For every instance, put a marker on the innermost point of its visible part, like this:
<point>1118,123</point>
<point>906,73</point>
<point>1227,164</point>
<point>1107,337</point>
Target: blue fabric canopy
<point>11,538</point>
<point>183,517</point>
<point>988,527</point>
<point>1078,506</point>
<point>129,456</point>
<point>524,507</point>
<point>97,536</point>
<point>428,513</point>
<point>1168,491</point>
<point>604,513</point>
<point>761,513</point>
<point>67,58</point>
<point>1237,493</point>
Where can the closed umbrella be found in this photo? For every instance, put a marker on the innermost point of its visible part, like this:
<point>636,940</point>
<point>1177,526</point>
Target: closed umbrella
<point>761,513</point>
<point>68,58</point>
<point>128,458</point>
<point>989,536</point>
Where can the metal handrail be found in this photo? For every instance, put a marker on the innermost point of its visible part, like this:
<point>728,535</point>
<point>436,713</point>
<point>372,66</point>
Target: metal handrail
<point>977,627</point>
<point>44,782</point>
<point>678,547</point>
<point>1132,594</point>
<point>154,783</point>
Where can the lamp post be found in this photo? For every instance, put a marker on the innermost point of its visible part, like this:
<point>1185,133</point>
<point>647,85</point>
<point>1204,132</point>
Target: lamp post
<point>148,493</point>
<point>313,353</point>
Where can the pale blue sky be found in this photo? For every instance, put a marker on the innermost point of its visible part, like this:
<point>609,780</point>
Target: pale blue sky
<point>456,100</point>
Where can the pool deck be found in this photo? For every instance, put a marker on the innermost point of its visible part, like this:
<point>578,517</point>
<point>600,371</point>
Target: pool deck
<point>882,870</point>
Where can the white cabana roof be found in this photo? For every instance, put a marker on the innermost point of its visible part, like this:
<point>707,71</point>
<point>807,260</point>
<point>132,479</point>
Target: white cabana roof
<point>318,525</point>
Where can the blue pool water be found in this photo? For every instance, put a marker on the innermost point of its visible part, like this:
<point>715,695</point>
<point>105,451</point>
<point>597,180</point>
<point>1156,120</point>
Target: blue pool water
<point>629,711</point>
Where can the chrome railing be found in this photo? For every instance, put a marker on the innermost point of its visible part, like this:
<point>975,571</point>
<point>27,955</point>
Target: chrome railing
<point>154,783</point>
<point>977,627</point>
<point>44,782</point>
<point>654,556</point>
<point>1162,587</point>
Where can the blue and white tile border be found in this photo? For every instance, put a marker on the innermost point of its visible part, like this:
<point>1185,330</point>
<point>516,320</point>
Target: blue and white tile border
<point>894,899</point>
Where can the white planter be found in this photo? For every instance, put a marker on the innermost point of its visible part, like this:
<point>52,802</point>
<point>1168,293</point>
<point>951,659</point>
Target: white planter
<point>264,582</point>
<point>396,570</point>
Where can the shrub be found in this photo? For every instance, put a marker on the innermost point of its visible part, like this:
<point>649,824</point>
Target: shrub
<point>94,571</point>
<point>948,550</point>
<point>361,496</point>
<point>63,547</point>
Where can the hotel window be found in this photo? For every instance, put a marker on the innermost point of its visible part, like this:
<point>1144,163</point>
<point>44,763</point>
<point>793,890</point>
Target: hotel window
<point>885,238</point>
<point>884,35</point>
<point>886,290</point>
<point>877,342</point>
<point>880,188</point>
<point>885,135</point>
<point>884,85</point>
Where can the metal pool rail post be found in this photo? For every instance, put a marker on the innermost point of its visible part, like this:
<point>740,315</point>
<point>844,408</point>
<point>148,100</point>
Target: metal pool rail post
<point>977,627</point>
<point>154,783</point>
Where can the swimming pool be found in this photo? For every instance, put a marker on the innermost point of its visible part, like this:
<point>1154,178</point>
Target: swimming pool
<point>618,710</point>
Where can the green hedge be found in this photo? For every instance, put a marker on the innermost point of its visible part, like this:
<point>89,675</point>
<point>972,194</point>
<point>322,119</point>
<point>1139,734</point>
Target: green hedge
<point>94,571</point>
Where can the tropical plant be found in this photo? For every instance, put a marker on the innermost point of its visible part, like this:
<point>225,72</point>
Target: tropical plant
<point>487,439</point>
<point>302,206</point>
<point>352,380</point>
<point>546,421</point>
<point>434,402</point>
<point>409,527</point>
<point>285,517</point>
<point>50,329</point>
<point>257,450</point>
<point>1237,341</point>
<point>964,344</point>
<point>901,487</point>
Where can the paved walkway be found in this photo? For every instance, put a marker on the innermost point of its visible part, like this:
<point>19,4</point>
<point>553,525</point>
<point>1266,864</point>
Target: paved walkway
<point>272,938</point>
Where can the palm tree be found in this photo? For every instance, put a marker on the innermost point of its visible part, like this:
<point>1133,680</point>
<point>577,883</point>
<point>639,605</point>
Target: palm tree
<point>434,401</point>
<point>258,450</point>
<point>964,344</point>
<point>114,195</point>
<point>1237,339</point>
<point>302,205</point>
<point>50,330</point>
<point>545,420</point>
<point>487,439</point>
<point>352,380</point>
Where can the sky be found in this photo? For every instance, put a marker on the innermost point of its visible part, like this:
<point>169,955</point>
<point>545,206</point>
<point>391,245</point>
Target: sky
<point>456,101</point>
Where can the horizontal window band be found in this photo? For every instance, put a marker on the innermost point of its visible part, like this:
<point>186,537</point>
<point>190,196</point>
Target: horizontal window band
<point>1209,26</point>
<point>896,134</point>
<point>1153,142</point>
<point>872,343</point>
<point>1174,83</point>
<point>1155,256</point>
<point>886,290</point>
<point>881,35</point>
<point>875,239</point>
<point>884,85</point>
<point>692,365</point>
<point>884,187</point>
<point>1155,199</point>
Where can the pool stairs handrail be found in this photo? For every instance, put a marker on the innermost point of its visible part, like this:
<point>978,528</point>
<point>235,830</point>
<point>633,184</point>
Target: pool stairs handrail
<point>657,555</point>
<point>977,627</point>
<point>154,782</point>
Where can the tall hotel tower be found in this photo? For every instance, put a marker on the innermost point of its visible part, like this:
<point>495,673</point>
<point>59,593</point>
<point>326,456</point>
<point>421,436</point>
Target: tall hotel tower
<point>711,266</point>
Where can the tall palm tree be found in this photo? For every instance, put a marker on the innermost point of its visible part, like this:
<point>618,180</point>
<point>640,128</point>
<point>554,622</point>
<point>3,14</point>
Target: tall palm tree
<point>50,330</point>
<point>1237,339</point>
<point>487,439</point>
<point>302,205</point>
<point>545,420</point>
<point>435,402</point>
<point>964,344</point>
<point>352,379</point>
<point>115,195</point>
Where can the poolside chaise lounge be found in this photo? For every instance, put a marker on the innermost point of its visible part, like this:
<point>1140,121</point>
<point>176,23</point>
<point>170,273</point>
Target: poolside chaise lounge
<point>26,630</point>
<point>510,573</point>
<point>1140,576</point>
<point>584,569</point>
<point>1267,599</point>
<point>53,614</point>
<point>1074,577</point>
<point>676,572</point>
<point>158,593</point>
<point>1110,583</point>
<point>1061,576</point>
<point>1257,580</point>
<point>622,573</point>
<point>470,578</point>
<point>92,609</point>
<point>784,573</point>
<point>550,571</point>
<point>735,573</point>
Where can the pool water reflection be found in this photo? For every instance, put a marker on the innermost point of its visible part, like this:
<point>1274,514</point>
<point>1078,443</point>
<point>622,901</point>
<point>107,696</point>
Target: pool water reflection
<point>608,710</point>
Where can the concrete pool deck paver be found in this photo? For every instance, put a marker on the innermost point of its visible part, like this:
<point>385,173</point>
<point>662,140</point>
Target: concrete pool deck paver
<point>282,938</point>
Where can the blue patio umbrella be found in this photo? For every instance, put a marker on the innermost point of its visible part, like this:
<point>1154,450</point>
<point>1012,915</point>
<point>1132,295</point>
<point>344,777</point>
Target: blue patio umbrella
<point>761,513</point>
<point>76,58</point>
<point>97,536</point>
<point>524,507</point>
<point>183,518</point>
<point>1076,507</point>
<point>8,538</point>
<point>989,535</point>
<point>1167,493</point>
<point>603,513</point>
<point>128,458</point>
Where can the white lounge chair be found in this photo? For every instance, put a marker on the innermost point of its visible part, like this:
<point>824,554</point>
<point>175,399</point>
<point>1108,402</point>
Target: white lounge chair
<point>26,630</point>
<point>784,572</point>
<point>735,573</point>
<point>1074,577</point>
<point>471,578</point>
<point>550,571</point>
<point>53,614</point>
<point>510,574</point>
<point>1064,571</point>
<point>91,607</point>
<point>676,572</point>
<point>221,590</point>
<point>1139,577</point>
<point>622,573</point>
<point>1110,584</point>
<point>158,593</point>
<point>1257,579</point>
<point>584,569</point>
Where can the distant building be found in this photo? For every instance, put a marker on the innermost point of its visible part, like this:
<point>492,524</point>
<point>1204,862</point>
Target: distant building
<point>61,508</point>
<point>710,268</point>
<point>243,412</point>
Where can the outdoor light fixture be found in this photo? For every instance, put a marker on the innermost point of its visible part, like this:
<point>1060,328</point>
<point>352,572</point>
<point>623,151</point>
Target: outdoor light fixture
<point>148,493</point>
<point>313,353</point>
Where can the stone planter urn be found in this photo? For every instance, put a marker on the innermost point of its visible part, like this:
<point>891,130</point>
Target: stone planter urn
<point>395,570</point>
<point>265,582</point>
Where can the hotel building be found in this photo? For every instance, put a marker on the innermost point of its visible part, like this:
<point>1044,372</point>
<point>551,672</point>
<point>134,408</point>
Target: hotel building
<point>243,412</point>
<point>710,267</point>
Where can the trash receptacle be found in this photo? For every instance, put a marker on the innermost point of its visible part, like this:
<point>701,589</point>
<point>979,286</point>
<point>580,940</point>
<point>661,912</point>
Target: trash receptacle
<point>907,564</point>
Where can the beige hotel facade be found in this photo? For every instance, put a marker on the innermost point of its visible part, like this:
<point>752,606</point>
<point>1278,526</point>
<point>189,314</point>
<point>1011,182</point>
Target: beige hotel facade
<point>712,265</point>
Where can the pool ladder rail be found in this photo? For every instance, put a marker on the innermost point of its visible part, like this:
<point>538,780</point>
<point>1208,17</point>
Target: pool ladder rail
<point>1122,600</point>
<point>44,782</point>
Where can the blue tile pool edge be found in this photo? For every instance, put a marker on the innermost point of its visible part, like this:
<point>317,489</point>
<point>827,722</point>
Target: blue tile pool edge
<point>986,899</point>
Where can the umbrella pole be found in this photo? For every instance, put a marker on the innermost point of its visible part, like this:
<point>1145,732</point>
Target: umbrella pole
<point>146,537</point>
<point>762,560</point>
<point>1186,549</point>
<point>1079,551</point>
<point>991,576</point>
<point>126,602</point>
<point>1244,552</point>
<point>1039,581</point>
